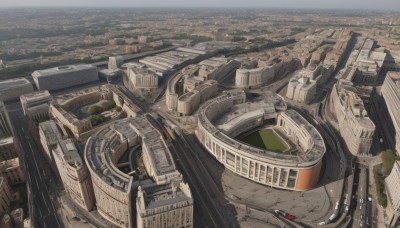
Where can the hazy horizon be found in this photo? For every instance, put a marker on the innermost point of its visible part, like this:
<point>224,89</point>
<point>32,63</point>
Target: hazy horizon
<point>392,5</point>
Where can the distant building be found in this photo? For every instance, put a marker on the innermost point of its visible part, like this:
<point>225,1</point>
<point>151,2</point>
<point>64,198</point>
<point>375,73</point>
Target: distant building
<point>168,205</point>
<point>391,94</point>
<point>392,183</point>
<point>36,105</point>
<point>356,127</point>
<point>74,174</point>
<point>64,76</point>
<point>49,137</point>
<point>14,88</point>
<point>145,39</point>
<point>115,62</point>
<point>5,195</point>
<point>12,169</point>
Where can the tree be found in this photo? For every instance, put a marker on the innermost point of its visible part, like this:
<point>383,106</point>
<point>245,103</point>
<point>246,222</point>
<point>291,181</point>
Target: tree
<point>95,109</point>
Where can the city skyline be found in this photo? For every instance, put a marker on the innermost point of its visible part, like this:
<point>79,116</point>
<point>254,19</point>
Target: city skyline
<point>304,4</point>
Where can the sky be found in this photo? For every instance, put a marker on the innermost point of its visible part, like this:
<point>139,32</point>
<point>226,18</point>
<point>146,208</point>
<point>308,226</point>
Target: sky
<point>326,4</point>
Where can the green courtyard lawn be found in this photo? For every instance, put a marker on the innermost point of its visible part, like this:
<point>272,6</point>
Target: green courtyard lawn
<point>265,139</point>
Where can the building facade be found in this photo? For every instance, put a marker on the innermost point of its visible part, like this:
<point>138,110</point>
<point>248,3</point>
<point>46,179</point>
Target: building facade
<point>392,183</point>
<point>143,78</point>
<point>391,94</point>
<point>5,195</point>
<point>356,127</point>
<point>12,169</point>
<point>168,205</point>
<point>49,137</point>
<point>36,105</point>
<point>301,89</point>
<point>254,78</point>
<point>74,174</point>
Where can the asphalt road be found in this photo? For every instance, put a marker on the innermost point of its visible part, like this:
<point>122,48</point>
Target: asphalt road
<point>44,209</point>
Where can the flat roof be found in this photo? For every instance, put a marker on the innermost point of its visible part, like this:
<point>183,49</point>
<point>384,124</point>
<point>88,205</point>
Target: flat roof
<point>12,83</point>
<point>62,69</point>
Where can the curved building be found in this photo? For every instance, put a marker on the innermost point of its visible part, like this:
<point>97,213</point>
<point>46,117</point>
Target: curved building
<point>225,117</point>
<point>356,127</point>
<point>254,78</point>
<point>114,190</point>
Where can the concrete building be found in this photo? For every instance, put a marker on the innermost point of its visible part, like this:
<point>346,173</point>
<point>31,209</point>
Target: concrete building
<point>368,63</point>
<point>13,88</point>
<point>62,109</point>
<point>143,78</point>
<point>49,137</point>
<point>216,68</point>
<point>64,76</point>
<point>302,89</point>
<point>15,219</point>
<point>391,94</point>
<point>12,169</point>
<point>5,195</point>
<point>190,101</point>
<point>222,119</point>
<point>36,105</point>
<point>115,62</point>
<point>8,149</point>
<point>392,185</point>
<point>145,39</point>
<point>356,127</point>
<point>114,190</point>
<point>168,205</point>
<point>194,84</point>
<point>5,124</point>
<point>74,174</point>
<point>254,78</point>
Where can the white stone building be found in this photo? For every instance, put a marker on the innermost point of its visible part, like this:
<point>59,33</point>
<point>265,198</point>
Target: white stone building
<point>36,105</point>
<point>356,127</point>
<point>74,174</point>
<point>168,205</point>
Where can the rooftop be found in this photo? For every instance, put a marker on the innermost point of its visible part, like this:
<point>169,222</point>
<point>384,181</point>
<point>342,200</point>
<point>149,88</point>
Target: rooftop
<point>13,83</point>
<point>62,69</point>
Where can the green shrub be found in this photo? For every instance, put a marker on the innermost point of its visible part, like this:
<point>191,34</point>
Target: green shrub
<point>98,119</point>
<point>95,109</point>
<point>108,105</point>
<point>118,109</point>
<point>388,159</point>
<point>380,187</point>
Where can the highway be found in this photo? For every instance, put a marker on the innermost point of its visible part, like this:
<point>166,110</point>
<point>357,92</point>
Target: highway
<point>44,212</point>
